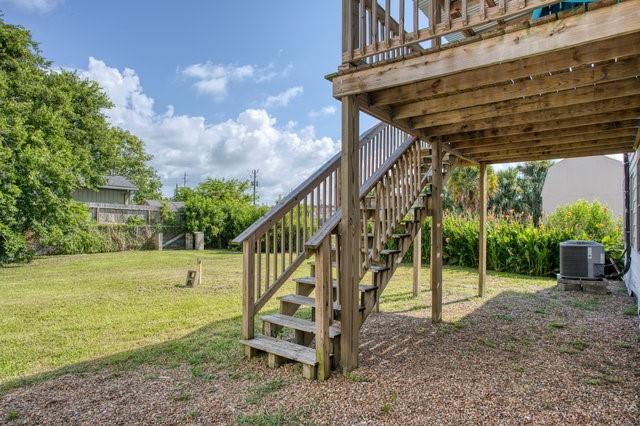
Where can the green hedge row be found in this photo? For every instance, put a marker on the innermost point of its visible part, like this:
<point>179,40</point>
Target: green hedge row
<point>515,244</point>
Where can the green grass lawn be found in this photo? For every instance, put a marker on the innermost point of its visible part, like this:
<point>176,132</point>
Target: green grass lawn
<point>79,313</point>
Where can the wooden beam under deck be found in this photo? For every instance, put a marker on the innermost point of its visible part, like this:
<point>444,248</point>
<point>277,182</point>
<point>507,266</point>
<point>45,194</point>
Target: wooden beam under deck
<point>582,95</point>
<point>616,145</point>
<point>555,134</point>
<point>530,86</point>
<point>567,154</point>
<point>481,148</point>
<point>563,113</point>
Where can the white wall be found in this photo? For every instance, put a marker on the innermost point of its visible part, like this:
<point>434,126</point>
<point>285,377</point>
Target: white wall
<point>632,278</point>
<point>588,178</point>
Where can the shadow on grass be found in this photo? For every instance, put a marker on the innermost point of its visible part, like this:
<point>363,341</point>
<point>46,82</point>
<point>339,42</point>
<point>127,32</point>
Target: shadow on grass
<point>216,344</point>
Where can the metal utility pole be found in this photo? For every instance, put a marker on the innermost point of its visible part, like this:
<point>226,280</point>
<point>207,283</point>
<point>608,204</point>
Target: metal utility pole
<point>184,180</point>
<point>254,183</point>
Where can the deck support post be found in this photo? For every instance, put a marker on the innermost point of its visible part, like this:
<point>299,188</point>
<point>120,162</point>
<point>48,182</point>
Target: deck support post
<point>417,260</point>
<point>324,308</point>
<point>349,275</point>
<point>482,258</point>
<point>436,232</point>
<point>248,294</point>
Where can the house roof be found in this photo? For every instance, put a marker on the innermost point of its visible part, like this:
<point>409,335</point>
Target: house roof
<point>118,182</point>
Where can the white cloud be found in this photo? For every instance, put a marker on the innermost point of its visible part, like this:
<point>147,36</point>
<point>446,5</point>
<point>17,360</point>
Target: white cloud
<point>282,99</point>
<point>270,72</point>
<point>182,143</point>
<point>323,112</point>
<point>213,79</point>
<point>34,5</point>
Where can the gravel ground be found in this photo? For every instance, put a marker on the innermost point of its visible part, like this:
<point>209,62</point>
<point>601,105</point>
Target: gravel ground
<point>543,357</point>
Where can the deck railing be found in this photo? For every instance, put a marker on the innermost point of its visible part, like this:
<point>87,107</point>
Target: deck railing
<point>380,30</point>
<point>274,246</point>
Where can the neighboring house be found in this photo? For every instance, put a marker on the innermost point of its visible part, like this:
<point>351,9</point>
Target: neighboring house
<point>116,190</point>
<point>112,203</point>
<point>586,178</point>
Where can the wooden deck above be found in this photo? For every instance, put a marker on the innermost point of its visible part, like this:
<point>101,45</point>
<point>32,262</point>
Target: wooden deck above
<point>562,86</point>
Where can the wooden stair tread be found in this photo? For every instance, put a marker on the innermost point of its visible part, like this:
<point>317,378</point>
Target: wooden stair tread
<point>312,281</point>
<point>378,268</point>
<point>387,252</point>
<point>400,235</point>
<point>333,263</point>
<point>298,324</point>
<point>282,348</point>
<point>307,301</point>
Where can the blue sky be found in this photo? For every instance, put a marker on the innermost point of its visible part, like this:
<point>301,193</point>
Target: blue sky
<point>214,88</point>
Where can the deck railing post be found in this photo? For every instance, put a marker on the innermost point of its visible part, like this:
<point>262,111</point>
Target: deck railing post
<point>349,235</point>
<point>248,293</point>
<point>350,27</point>
<point>324,308</point>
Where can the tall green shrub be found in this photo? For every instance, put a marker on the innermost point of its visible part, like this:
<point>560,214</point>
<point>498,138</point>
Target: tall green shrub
<point>515,244</point>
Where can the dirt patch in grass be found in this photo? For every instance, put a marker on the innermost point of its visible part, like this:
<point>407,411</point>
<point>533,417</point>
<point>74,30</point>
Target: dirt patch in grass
<point>525,354</point>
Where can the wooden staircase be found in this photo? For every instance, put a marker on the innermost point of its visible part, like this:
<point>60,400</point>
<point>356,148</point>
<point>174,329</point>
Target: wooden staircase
<point>394,203</point>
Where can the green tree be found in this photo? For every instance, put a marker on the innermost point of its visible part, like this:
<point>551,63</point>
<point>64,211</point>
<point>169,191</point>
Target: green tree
<point>533,175</point>
<point>464,187</point>
<point>131,161</point>
<point>54,139</point>
<point>221,208</point>
<point>508,196</point>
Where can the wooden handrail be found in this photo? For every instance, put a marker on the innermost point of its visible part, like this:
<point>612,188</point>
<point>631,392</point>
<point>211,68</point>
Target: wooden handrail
<point>325,231</point>
<point>278,211</point>
<point>330,225</point>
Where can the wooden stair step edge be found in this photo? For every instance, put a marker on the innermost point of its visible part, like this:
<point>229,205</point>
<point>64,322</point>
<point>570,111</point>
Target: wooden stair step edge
<point>401,235</point>
<point>379,268</point>
<point>312,281</point>
<point>333,263</point>
<point>283,349</point>
<point>298,324</point>
<point>387,252</point>
<point>307,301</point>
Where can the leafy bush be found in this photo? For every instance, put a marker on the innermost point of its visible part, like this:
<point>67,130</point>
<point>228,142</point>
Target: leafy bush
<point>589,221</point>
<point>221,208</point>
<point>515,244</point>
